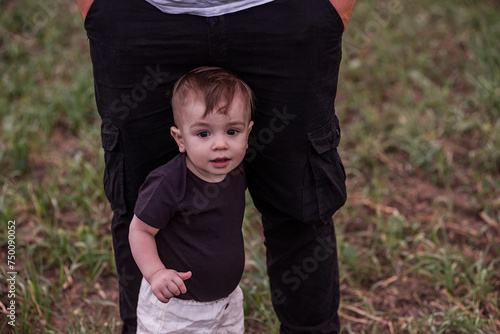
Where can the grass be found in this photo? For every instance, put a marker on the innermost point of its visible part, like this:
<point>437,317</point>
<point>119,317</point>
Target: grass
<point>418,239</point>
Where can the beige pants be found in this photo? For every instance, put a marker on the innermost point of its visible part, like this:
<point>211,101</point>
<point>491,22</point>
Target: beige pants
<point>188,316</point>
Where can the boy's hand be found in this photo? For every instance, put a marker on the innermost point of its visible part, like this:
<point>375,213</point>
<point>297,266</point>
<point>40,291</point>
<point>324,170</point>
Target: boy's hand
<point>167,283</point>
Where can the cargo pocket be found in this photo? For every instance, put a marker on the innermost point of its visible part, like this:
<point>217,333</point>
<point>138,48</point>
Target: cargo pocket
<point>327,175</point>
<point>113,171</point>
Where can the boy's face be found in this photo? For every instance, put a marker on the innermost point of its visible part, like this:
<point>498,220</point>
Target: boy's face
<point>215,144</point>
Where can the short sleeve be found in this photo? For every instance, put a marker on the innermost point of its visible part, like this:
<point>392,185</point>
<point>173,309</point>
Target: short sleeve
<point>157,202</point>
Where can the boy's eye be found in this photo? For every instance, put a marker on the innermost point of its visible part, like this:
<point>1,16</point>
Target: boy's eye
<point>232,132</point>
<point>203,134</point>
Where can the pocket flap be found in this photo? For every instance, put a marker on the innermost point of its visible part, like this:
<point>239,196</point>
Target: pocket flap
<point>109,136</point>
<point>325,138</point>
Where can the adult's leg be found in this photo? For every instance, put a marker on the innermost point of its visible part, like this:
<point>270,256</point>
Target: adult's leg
<point>137,54</point>
<point>289,52</point>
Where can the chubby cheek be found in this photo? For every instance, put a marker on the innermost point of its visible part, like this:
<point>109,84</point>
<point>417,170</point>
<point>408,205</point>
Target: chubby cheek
<point>242,147</point>
<point>199,150</point>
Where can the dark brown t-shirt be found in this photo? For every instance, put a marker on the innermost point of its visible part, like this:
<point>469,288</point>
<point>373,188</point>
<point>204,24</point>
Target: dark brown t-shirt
<point>200,226</point>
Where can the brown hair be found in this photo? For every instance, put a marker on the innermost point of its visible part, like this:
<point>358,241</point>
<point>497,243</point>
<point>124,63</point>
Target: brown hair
<point>213,85</point>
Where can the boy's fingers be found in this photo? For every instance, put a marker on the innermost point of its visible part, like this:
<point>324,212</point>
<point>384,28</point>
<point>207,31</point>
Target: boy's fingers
<point>178,281</point>
<point>164,299</point>
<point>161,297</point>
<point>172,290</point>
<point>172,287</point>
<point>178,286</point>
<point>186,275</point>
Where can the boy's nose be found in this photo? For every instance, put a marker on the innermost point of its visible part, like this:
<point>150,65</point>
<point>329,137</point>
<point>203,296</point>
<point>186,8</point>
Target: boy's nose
<point>220,143</point>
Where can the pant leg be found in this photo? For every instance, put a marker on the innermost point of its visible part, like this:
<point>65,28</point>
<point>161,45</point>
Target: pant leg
<point>232,317</point>
<point>303,271</point>
<point>223,316</point>
<point>129,275</point>
<point>137,55</point>
<point>294,75</point>
<point>289,52</point>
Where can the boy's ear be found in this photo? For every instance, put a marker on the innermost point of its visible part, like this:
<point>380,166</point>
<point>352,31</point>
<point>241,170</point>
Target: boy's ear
<point>250,125</point>
<point>176,133</point>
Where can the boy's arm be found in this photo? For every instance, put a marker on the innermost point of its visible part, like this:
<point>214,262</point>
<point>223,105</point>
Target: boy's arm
<point>165,283</point>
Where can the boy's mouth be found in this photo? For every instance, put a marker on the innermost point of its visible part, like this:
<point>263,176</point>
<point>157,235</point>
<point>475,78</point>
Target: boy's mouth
<point>220,162</point>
